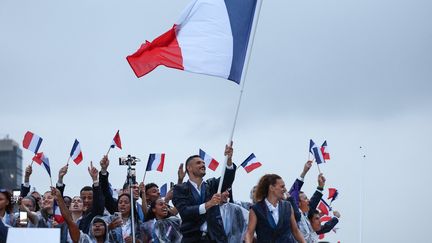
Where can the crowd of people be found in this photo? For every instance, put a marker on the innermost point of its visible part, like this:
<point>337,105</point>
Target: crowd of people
<point>191,211</point>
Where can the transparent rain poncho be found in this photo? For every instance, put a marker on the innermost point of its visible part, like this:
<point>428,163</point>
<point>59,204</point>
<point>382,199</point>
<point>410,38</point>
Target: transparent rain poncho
<point>235,219</point>
<point>162,230</point>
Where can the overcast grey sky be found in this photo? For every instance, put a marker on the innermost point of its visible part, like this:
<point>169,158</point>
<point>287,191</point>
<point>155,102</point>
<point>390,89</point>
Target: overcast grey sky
<point>356,73</point>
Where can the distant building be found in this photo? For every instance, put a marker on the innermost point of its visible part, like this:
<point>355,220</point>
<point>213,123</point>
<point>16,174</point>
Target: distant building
<point>10,164</point>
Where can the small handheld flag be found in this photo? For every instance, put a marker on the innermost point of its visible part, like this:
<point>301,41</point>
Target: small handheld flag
<point>324,151</point>
<point>210,162</point>
<point>76,153</point>
<point>324,207</point>
<point>32,142</point>
<point>163,190</point>
<point>38,158</point>
<point>57,213</point>
<point>251,163</point>
<point>333,193</point>
<point>313,149</point>
<point>116,141</point>
<point>156,162</point>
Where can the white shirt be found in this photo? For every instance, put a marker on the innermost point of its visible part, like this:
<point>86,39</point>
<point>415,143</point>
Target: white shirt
<point>202,209</point>
<point>273,210</point>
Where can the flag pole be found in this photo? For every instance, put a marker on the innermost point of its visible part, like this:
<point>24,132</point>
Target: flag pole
<point>67,163</point>
<point>361,195</point>
<point>243,81</point>
<point>108,151</point>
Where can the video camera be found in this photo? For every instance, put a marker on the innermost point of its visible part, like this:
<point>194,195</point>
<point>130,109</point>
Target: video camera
<point>132,160</point>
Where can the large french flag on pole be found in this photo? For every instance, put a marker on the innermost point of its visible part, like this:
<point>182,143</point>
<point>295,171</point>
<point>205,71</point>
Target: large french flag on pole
<point>211,37</point>
<point>210,162</point>
<point>251,163</point>
<point>156,162</point>
<point>32,142</point>
<point>76,153</point>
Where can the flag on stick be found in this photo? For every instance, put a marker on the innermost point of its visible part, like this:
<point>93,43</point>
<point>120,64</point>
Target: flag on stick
<point>163,190</point>
<point>57,213</point>
<point>32,142</point>
<point>116,142</point>
<point>324,207</point>
<point>333,193</point>
<point>324,151</point>
<point>251,163</point>
<point>76,153</point>
<point>210,37</point>
<point>210,162</point>
<point>313,149</point>
<point>156,162</point>
<point>40,158</point>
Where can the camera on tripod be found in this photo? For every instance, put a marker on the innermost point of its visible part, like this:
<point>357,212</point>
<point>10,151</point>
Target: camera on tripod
<point>129,160</point>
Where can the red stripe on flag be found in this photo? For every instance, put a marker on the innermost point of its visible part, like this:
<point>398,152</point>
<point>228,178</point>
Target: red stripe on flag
<point>161,164</point>
<point>27,139</point>
<point>163,50</point>
<point>213,165</point>
<point>38,158</point>
<point>79,158</point>
<point>252,167</point>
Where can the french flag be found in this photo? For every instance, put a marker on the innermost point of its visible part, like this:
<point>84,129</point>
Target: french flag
<point>76,153</point>
<point>40,158</point>
<point>324,151</point>
<point>313,149</point>
<point>57,213</point>
<point>32,142</point>
<point>324,207</point>
<point>116,142</point>
<point>163,190</point>
<point>211,163</point>
<point>211,37</point>
<point>156,162</point>
<point>251,163</point>
<point>333,193</point>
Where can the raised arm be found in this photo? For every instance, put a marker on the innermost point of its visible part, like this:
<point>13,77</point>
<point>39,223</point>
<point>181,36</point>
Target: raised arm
<point>25,187</point>
<point>316,197</point>
<point>98,198</point>
<point>73,228</point>
<point>62,172</point>
<point>110,202</point>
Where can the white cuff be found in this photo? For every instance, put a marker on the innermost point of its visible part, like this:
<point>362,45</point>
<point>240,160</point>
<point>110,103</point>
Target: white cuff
<point>230,167</point>
<point>300,178</point>
<point>59,184</point>
<point>26,184</point>
<point>202,209</point>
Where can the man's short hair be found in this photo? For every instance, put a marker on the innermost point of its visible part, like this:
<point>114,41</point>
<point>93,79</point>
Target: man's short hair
<point>86,188</point>
<point>312,212</point>
<point>150,185</point>
<point>189,160</point>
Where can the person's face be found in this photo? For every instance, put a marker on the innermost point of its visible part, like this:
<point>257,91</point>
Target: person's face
<point>67,201</point>
<point>124,206</point>
<point>37,197</point>
<point>153,194</point>
<point>303,202</point>
<point>160,210</point>
<point>87,198</point>
<point>197,167</point>
<point>278,189</point>
<point>98,229</point>
<point>47,200</point>
<point>29,204</point>
<point>4,202</point>
<point>316,222</point>
<point>135,191</point>
<point>77,205</point>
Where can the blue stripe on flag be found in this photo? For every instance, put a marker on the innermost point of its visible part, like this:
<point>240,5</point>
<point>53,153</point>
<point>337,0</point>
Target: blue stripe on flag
<point>38,145</point>
<point>151,159</point>
<point>202,154</point>
<point>241,15</point>
<point>246,162</point>
<point>75,145</point>
<point>318,155</point>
